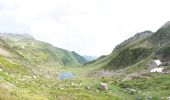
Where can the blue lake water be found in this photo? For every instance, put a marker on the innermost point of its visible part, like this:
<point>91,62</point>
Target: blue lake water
<point>66,75</point>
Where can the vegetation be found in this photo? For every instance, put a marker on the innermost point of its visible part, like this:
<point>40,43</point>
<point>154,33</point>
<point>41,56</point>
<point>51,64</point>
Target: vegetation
<point>128,57</point>
<point>157,87</point>
<point>30,70</point>
<point>164,53</point>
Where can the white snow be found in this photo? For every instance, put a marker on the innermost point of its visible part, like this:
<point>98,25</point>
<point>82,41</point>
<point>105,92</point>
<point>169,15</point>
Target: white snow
<point>158,62</point>
<point>157,70</point>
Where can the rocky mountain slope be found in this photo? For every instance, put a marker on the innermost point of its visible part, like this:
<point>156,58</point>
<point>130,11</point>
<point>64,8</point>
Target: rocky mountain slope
<point>132,62</point>
<point>137,48</point>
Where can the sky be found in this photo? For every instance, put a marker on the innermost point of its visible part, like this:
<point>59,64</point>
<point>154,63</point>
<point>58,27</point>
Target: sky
<point>89,27</point>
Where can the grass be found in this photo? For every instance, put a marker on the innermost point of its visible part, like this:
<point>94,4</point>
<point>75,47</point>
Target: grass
<point>17,80</point>
<point>44,88</point>
<point>157,87</point>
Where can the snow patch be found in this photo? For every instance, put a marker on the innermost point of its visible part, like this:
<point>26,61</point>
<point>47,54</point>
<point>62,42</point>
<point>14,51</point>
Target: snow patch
<point>158,62</point>
<point>157,70</point>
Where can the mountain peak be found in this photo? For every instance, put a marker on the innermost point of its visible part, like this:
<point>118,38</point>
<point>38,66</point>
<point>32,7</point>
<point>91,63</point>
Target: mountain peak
<point>167,24</point>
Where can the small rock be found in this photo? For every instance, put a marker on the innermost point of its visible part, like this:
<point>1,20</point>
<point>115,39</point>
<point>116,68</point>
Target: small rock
<point>88,87</point>
<point>138,98</point>
<point>103,86</point>
<point>34,77</point>
<point>131,91</point>
<point>168,98</point>
<point>72,84</point>
<point>61,88</point>
<point>97,91</point>
<point>148,97</point>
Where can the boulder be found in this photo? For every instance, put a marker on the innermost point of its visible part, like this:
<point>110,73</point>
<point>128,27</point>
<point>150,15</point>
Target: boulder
<point>103,86</point>
<point>168,98</point>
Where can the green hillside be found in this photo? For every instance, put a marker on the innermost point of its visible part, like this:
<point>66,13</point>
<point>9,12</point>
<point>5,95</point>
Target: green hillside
<point>31,70</point>
<point>138,48</point>
<point>130,63</point>
<point>38,52</point>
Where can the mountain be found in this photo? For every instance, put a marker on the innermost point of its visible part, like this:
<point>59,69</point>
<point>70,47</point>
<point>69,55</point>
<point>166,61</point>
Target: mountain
<point>142,46</point>
<point>41,53</point>
<point>90,58</point>
<point>31,69</point>
<point>131,63</point>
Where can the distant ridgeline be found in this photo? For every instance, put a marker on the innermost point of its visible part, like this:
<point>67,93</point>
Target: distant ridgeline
<point>25,47</point>
<point>142,47</point>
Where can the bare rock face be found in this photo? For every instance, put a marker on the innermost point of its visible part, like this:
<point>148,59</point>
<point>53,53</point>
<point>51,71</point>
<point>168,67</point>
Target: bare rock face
<point>103,86</point>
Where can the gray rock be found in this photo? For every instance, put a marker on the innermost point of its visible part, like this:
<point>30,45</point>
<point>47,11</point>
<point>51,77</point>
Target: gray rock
<point>168,98</point>
<point>148,97</point>
<point>97,91</point>
<point>138,98</point>
<point>103,86</point>
<point>88,88</point>
<point>131,91</point>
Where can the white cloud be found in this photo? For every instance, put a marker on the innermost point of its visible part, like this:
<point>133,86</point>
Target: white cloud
<point>91,27</point>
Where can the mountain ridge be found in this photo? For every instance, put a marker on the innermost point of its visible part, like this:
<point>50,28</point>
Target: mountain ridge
<point>137,48</point>
<point>35,51</point>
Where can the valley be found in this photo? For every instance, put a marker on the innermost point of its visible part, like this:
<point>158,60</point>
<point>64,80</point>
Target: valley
<point>35,70</point>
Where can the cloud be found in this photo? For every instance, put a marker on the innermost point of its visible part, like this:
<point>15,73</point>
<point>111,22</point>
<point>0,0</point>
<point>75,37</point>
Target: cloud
<point>89,27</point>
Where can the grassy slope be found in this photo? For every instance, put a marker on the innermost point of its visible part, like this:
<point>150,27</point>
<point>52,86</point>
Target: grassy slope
<point>18,83</point>
<point>37,52</point>
<point>43,88</point>
<point>142,46</point>
<point>24,74</point>
<point>132,56</point>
